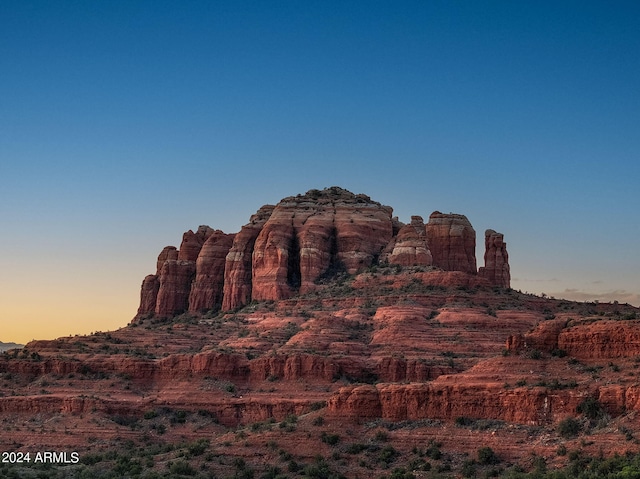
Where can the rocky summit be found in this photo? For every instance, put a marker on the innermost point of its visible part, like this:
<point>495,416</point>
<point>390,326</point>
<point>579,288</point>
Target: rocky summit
<point>328,339</point>
<point>289,248</point>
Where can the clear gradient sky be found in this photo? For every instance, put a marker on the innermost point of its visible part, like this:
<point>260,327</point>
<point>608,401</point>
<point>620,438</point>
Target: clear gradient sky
<point>125,123</point>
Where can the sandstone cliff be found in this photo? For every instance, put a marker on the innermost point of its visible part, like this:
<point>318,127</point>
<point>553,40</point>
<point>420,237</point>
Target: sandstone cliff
<point>409,246</point>
<point>452,241</point>
<point>237,269</point>
<point>304,240</point>
<point>208,285</point>
<point>317,234</point>
<point>496,260</point>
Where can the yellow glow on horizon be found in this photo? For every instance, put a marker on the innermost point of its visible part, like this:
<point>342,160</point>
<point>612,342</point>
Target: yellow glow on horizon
<point>39,308</point>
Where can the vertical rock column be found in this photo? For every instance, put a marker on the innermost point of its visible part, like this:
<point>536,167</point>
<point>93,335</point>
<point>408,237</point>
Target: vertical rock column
<point>176,275</point>
<point>496,260</point>
<point>148,296</point>
<point>452,242</point>
<point>175,285</point>
<point>151,284</point>
<point>208,285</point>
<point>238,263</point>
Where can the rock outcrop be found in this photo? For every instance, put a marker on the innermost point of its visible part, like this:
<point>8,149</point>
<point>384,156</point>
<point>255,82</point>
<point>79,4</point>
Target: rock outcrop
<point>148,295</point>
<point>176,271</point>
<point>237,270</point>
<point>208,286</point>
<point>151,284</point>
<point>447,399</point>
<point>175,285</point>
<point>496,260</point>
<point>303,241</point>
<point>192,243</point>
<point>167,253</point>
<point>602,340</point>
<point>316,234</point>
<point>409,247</point>
<point>452,242</point>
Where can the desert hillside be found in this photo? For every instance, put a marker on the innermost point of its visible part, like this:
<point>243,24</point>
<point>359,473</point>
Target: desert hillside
<point>328,339</point>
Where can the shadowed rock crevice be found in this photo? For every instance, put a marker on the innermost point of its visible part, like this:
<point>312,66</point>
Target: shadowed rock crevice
<point>335,267</point>
<point>294,277</point>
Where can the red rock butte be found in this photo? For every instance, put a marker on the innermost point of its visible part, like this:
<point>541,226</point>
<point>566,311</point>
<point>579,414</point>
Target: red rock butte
<point>288,248</point>
<point>352,329</point>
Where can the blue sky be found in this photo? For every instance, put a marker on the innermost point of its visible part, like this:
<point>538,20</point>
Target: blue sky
<point>124,124</point>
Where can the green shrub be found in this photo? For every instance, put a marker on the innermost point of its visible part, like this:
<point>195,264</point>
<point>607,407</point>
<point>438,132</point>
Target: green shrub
<point>356,448</point>
<point>469,469</point>
<point>331,439</point>
<point>150,414</point>
<point>486,456</point>
<point>320,470</point>
<point>535,354</point>
<point>182,468</point>
<point>433,450</point>
<point>464,421</point>
<point>197,448</point>
<point>591,408</point>
<point>388,455</point>
<point>271,472</point>
<point>569,427</point>
<point>401,473</point>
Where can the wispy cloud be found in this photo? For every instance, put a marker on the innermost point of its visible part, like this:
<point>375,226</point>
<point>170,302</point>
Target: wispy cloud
<point>620,295</point>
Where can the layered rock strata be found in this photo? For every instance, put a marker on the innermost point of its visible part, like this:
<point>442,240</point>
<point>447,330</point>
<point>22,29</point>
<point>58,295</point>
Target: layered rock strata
<point>315,235</point>
<point>409,247</point>
<point>452,241</point>
<point>237,269</point>
<point>208,285</point>
<point>303,241</point>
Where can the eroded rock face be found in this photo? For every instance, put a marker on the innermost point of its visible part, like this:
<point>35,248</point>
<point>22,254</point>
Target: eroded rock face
<point>192,243</point>
<point>496,260</point>
<point>602,340</point>
<point>208,286</point>
<point>148,295</point>
<point>175,271</point>
<point>448,399</point>
<point>543,338</point>
<point>409,247</point>
<point>175,285</point>
<point>305,240</point>
<point>308,236</point>
<point>237,273</point>
<point>167,253</point>
<point>452,242</point>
